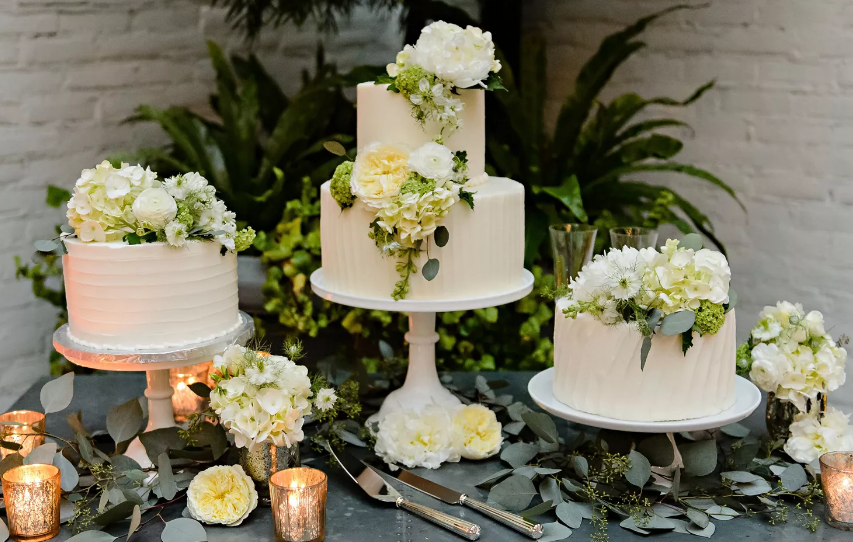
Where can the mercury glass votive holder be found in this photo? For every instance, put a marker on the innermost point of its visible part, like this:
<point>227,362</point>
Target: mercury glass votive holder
<point>31,493</point>
<point>24,427</point>
<point>836,476</point>
<point>633,237</point>
<point>299,504</point>
<point>184,401</point>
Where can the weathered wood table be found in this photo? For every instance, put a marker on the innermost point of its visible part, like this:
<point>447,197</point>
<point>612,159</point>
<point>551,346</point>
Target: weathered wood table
<point>352,517</point>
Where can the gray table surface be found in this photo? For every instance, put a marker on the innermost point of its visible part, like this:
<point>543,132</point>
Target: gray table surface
<point>352,517</point>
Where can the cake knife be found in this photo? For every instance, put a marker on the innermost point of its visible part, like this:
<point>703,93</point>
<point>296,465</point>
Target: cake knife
<point>513,521</point>
<point>376,487</point>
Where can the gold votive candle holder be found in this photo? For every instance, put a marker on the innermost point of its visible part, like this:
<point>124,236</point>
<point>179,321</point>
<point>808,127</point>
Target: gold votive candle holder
<point>24,427</point>
<point>184,401</point>
<point>836,476</point>
<point>299,504</point>
<point>31,493</point>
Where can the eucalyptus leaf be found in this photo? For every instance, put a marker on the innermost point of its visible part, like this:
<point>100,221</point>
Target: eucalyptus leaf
<point>213,436</point>
<point>698,517</point>
<point>549,489</point>
<point>56,395</point>
<point>117,513</point>
<point>640,470</point>
<point>740,477</point>
<point>135,520</point>
<point>700,458</point>
<point>103,501</point>
<point>123,463</point>
<point>569,485</point>
<point>166,479</point>
<point>441,235</point>
<point>794,477</point>
<point>666,511</point>
<point>386,350</point>
<point>542,425</point>
<point>92,536</point>
<point>494,477</point>
<point>631,525</point>
<point>527,470</point>
<point>581,466</point>
<point>514,428</point>
<point>183,530</point>
<point>677,323</point>
<point>516,411</point>
<point>430,270</point>
<point>66,510</point>
<point>691,241</point>
<point>201,389</point>
<point>722,513</point>
<point>537,510</point>
<point>10,462</point>
<point>644,351</point>
<point>519,453</point>
<point>733,298</point>
<point>570,513</point>
<point>161,440</point>
<point>66,228</point>
<point>546,471</point>
<point>653,317</point>
<point>758,487</point>
<point>46,245</point>
<point>335,148</point>
<point>653,523</point>
<point>514,493</point>
<point>124,421</point>
<point>735,430</point>
<point>75,422</point>
<point>552,532</point>
<point>68,474</point>
<point>41,454</point>
<point>707,532</point>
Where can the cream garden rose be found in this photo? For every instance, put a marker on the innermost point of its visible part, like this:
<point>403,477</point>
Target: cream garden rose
<point>379,172</point>
<point>476,432</point>
<point>155,208</point>
<point>223,495</point>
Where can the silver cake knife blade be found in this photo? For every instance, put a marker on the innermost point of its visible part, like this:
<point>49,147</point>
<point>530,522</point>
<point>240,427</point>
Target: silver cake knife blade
<point>376,487</point>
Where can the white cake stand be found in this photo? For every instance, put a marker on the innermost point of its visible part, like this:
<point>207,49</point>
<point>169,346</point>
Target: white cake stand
<point>422,386</point>
<point>747,399</point>
<point>156,364</point>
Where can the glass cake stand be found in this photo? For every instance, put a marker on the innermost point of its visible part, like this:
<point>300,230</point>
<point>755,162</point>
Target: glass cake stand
<point>422,386</point>
<point>747,399</point>
<point>156,364</point>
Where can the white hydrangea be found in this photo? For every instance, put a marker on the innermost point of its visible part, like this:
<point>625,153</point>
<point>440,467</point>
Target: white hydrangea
<point>811,437</point>
<point>417,439</point>
<point>101,208</point>
<point>414,217</point>
<point>794,357</point>
<point>261,398</point>
<point>461,57</point>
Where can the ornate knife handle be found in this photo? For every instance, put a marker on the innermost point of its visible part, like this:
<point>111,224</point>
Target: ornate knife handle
<point>463,528</point>
<point>513,521</point>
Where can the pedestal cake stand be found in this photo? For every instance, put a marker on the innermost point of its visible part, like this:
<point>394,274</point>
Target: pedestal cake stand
<point>156,364</point>
<point>422,386</point>
<point>747,399</point>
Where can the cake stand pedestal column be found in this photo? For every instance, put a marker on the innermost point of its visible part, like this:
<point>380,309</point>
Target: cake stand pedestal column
<point>156,364</point>
<point>422,386</point>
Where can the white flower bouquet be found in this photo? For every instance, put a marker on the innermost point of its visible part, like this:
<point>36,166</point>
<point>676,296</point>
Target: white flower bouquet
<point>411,193</point>
<point>130,204</point>
<point>445,58</point>
<point>790,354</point>
<point>683,289</point>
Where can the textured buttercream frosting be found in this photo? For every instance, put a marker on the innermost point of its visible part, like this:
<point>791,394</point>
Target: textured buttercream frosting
<point>123,297</point>
<point>597,370</point>
<point>485,253</point>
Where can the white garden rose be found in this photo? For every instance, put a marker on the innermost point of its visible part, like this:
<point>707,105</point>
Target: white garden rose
<point>461,57</point>
<point>432,161</point>
<point>476,432</point>
<point>222,495</point>
<point>378,173</point>
<point>417,439</point>
<point>155,208</point>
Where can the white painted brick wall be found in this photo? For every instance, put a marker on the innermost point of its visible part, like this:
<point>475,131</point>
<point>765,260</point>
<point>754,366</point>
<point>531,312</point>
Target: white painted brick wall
<point>70,72</point>
<point>778,127</point>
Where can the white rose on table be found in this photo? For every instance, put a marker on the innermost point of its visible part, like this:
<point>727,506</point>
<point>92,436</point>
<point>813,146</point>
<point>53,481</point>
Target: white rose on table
<point>810,437</point>
<point>476,432</point>
<point>222,495</point>
<point>769,367</point>
<point>415,439</point>
<point>155,208</point>
<point>432,161</point>
<point>462,57</point>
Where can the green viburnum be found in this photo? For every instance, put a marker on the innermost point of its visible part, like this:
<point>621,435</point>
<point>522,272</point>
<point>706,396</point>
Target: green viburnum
<point>340,187</point>
<point>416,184</point>
<point>710,317</point>
<point>244,239</point>
<point>408,80</point>
<point>743,355</point>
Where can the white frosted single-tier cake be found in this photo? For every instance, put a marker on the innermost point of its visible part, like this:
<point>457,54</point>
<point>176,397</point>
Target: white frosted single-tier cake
<point>485,253</point>
<point>151,295</point>
<point>597,370</point>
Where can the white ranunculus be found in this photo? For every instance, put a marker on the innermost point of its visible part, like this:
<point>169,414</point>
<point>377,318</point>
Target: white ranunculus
<point>222,495</point>
<point>476,432</point>
<point>432,161</point>
<point>155,208</point>
<point>769,367</point>
<point>462,57</point>
<point>417,439</point>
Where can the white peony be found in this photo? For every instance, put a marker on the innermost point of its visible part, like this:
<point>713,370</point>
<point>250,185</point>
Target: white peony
<point>769,367</point>
<point>222,495</point>
<point>413,439</point>
<point>476,432</point>
<point>432,161</point>
<point>811,437</point>
<point>461,57</point>
<point>155,208</point>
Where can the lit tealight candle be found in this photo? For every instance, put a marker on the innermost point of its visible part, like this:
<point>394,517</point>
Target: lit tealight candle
<point>299,504</point>
<point>836,474</point>
<point>24,427</point>
<point>31,493</point>
<point>184,400</point>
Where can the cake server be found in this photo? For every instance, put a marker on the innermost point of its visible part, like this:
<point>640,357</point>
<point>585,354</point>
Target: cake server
<point>513,521</point>
<point>376,487</point>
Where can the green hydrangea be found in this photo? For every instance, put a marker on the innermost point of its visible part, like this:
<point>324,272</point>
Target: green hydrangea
<point>709,318</point>
<point>244,239</point>
<point>408,81</point>
<point>417,185</point>
<point>744,359</point>
<point>341,188</point>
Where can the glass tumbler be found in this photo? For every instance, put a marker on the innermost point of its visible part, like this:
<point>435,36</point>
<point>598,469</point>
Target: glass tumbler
<point>572,246</point>
<point>634,237</point>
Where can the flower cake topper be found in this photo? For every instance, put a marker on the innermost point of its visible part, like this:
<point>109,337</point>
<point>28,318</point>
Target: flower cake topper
<point>684,288</point>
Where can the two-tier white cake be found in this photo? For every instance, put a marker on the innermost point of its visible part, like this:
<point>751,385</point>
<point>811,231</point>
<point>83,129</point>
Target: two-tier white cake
<point>485,254</point>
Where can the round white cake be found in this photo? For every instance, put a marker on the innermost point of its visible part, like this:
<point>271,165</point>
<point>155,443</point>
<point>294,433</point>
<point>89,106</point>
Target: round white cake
<point>151,296</point>
<point>597,370</point>
<point>485,252</point>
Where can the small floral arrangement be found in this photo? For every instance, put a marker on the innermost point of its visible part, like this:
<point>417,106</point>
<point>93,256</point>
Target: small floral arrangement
<point>813,436</point>
<point>222,494</point>
<point>790,354</point>
<point>130,204</point>
<point>411,193</point>
<point>444,59</point>
<point>438,434</point>
<point>683,289</point>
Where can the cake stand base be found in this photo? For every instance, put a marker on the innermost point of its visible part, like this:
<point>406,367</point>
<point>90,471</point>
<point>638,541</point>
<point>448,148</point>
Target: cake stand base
<point>422,386</point>
<point>156,364</point>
